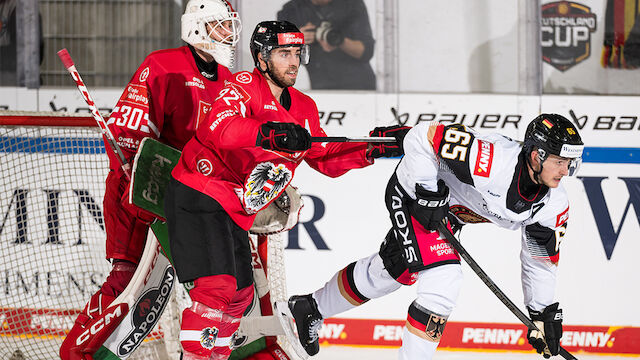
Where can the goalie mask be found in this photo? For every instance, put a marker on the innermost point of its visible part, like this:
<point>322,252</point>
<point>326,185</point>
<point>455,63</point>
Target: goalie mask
<point>269,35</point>
<point>213,27</point>
<point>554,134</point>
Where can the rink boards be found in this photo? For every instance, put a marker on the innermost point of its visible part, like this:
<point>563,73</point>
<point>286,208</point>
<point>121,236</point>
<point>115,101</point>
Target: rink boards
<point>345,219</point>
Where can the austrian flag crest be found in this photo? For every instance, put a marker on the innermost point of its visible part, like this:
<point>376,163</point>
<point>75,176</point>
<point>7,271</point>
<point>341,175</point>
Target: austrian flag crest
<point>264,184</point>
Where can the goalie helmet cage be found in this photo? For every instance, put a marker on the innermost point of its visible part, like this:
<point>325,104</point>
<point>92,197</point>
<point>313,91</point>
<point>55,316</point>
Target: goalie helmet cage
<point>52,236</point>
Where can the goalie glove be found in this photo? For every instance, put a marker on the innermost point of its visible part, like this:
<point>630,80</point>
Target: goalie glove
<point>281,215</point>
<point>387,149</point>
<point>430,207</point>
<point>546,341</point>
<point>285,137</point>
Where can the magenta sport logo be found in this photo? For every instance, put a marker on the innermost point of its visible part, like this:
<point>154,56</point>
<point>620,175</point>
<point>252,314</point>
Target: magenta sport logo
<point>566,29</point>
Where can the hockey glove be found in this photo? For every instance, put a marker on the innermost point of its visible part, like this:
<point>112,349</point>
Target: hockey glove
<point>285,137</point>
<point>430,207</point>
<point>546,341</point>
<point>388,149</point>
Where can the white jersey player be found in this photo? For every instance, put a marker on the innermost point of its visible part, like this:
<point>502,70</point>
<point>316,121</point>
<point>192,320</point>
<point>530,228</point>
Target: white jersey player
<point>452,171</point>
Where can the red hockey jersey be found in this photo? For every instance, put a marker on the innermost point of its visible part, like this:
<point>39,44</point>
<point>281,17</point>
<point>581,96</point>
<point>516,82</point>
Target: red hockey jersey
<point>223,161</point>
<point>166,99</point>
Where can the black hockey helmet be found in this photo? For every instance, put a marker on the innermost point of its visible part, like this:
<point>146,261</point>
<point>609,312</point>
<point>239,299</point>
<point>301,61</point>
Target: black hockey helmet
<point>554,134</point>
<point>269,35</point>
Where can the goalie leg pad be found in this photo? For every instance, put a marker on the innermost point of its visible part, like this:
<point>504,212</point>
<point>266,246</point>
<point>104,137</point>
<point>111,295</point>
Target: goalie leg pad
<point>120,275</point>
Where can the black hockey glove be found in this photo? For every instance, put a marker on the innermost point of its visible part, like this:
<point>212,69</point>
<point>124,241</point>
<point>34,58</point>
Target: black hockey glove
<point>430,207</point>
<point>388,149</point>
<point>286,137</point>
<point>549,321</point>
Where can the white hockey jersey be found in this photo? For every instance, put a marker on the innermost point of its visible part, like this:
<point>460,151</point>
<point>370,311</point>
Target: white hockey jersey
<point>489,182</point>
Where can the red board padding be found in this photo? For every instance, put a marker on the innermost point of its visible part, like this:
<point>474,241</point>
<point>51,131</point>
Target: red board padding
<point>459,335</point>
<point>367,332</point>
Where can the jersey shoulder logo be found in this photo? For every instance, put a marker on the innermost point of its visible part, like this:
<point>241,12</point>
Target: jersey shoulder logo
<point>244,77</point>
<point>562,217</point>
<point>144,75</point>
<point>484,159</point>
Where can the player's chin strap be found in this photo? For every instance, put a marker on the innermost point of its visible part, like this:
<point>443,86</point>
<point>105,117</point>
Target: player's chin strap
<point>542,156</point>
<point>271,76</point>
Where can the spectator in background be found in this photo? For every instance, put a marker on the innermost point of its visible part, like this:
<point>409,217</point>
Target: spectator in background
<point>9,44</point>
<point>339,34</point>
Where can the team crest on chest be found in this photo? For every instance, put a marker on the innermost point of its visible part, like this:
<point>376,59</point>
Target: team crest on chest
<point>264,184</point>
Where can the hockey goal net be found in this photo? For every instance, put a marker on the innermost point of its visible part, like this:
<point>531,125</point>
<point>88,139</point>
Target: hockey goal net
<point>52,238</point>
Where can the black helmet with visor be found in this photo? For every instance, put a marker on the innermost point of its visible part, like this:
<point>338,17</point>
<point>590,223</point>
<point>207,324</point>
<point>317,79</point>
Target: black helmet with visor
<point>269,35</point>
<point>554,134</point>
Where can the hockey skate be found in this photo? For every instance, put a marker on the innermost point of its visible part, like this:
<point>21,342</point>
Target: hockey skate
<point>308,321</point>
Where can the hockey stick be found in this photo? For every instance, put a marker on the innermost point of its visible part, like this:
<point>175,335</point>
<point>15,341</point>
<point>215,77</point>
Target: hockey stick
<point>442,227</point>
<point>71,68</point>
<point>363,139</point>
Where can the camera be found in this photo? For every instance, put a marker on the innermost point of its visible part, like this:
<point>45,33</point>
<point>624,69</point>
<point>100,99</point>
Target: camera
<point>326,32</point>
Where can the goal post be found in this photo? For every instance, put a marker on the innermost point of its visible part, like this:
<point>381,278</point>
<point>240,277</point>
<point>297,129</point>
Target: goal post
<point>52,236</point>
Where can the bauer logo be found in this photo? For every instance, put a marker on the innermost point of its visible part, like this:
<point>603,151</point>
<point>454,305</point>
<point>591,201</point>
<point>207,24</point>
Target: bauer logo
<point>484,159</point>
<point>566,33</point>
<point>146,313</point>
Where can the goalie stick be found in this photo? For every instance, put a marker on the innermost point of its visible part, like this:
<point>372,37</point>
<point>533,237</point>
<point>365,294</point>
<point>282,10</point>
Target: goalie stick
<point>153,273</point>
<point>71,68</point>
<point>363,139</point>
<point>442,227</point>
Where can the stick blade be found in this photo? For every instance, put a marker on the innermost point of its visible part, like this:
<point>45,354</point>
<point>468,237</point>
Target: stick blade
<point>66,58</point>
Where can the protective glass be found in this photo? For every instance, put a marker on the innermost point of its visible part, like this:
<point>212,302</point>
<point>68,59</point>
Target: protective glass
<point>574,166</point>
<point>304,54</point>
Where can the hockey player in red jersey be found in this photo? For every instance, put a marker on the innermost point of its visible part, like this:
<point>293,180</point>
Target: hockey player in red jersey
<point>452,171</point>
<point>239,161</point>
<point>168,97</point>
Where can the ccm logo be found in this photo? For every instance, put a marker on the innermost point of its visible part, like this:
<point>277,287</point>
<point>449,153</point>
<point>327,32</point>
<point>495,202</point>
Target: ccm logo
<point>106,319</point>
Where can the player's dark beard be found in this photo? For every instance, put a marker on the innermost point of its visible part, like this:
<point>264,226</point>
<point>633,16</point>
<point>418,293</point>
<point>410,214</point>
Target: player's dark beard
<point>280,79</point>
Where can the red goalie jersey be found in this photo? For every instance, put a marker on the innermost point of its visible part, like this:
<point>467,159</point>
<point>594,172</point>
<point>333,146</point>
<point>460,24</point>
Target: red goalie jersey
<point>223,161</point>
<point>166,99</point>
